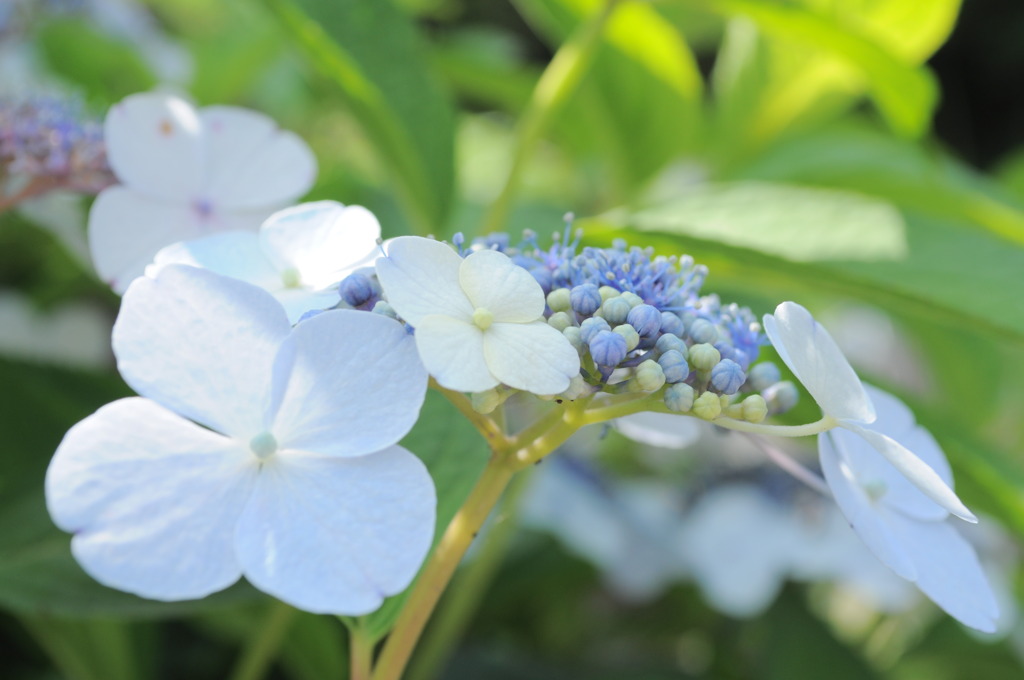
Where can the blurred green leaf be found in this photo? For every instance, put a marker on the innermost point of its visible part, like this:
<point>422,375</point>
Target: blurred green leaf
<point>781,65</point>
<point>803,224</point>
<point>372,51</point>
<point>858,157</point>
<point>643,90</point>
<point>313,646</point>
<point>88,650</point>
<point>105,68</point>
<point>948,272</point>
<point>455,454</point>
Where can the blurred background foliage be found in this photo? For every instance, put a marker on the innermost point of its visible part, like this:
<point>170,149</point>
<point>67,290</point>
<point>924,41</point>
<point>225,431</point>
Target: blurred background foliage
<point>834,152</point>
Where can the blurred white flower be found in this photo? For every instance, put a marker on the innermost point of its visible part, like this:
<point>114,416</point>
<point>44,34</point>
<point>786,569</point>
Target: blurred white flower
<point>817,362</point>
<point>259,450</point>
<point>902,526</point>
<point>186,173</point>
<point>479,320</point>
<point>299,255</point>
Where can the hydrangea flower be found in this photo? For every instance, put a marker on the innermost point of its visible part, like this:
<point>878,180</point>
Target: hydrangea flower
<point>901,525</point>
<point>817,362</point>
<point>257,450</point>
<point>299,255</point>
<point>479,320</point>
<point>186,173</point>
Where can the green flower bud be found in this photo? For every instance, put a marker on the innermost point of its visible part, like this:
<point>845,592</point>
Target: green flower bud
<point>559,301</point>
<point>615,310</point>
<point>679,397</point>
<point>486,401</point>
<point>667,343</point>
<point>577,388</point>
<point>572,334</point>
<point>704,357</point>
<point>707,406</point>
<point>629,333</point>
<point>649,376</point>
<point>632,298</point>
<point>607,293</point>
<point>560,320</point>
<point>755,409</point>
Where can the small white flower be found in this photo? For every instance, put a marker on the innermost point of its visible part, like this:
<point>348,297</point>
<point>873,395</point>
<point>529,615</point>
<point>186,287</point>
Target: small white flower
<point>813,356</point>
<point>478,320</point>
<point>900,524</point>
<point>259,450</point>
<point>299,255</point>
<point>187,173</point>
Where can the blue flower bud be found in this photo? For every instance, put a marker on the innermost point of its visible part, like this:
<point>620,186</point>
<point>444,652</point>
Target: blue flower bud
<point>608,348</point>
<point>591,327</point>
<point>764,375</point>
<point>645,319</point>
<point>671,324</point>
<point>781,396</point>
<point>704,357</point>
<point>543,277</point>
<point>615,310</point>
<point>356,289</point>
<point>673,363</point>
<point>703,331</point>
<point>558,300</point>
<point>679,398</point>
<point>727,377</point>
<point>669,343</point>
<point>586,299</point>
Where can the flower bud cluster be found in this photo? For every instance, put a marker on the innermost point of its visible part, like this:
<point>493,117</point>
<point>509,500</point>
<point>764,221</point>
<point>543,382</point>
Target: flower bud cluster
<point>640,325</point>
<point>49,138</point>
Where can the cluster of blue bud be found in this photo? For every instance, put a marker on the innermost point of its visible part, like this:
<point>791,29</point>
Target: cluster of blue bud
<point>50,139</point>
<point>640,325</point>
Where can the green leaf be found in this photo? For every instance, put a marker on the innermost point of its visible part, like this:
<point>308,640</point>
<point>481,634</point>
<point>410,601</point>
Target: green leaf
<point>857,157</point>
<point>88,650</point>
<point>455,454</point>
<point>643,89</point>
<point>783,65</point>
<point>372,52</point>
<point>947,272</point>
<point>803,224</point>
<point>105,68</point>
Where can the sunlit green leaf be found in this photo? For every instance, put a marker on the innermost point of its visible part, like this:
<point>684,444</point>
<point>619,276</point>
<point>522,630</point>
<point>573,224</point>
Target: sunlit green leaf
<point>372,52</point>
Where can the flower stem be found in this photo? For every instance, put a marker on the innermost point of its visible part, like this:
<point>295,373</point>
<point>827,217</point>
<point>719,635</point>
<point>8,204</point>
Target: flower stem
<point>441,566</point>
<point>262,648</point>
<point>462,599</point>
<point>554,88</point>
<point>360,653</point>
<point>488,427</point>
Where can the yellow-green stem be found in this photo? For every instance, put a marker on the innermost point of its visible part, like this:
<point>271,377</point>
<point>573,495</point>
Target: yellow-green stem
<point>262,648</point>
<point>440,567</point>
<point>461,600</point>
<point>488,427</point>
<point>360,647</point>
<point>556,85</point>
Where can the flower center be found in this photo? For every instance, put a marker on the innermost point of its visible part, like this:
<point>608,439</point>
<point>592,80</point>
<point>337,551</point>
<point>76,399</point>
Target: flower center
<point>263,445</point>
<point>290,278</point>
<point>482,318</point>
<point>875,489</point>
